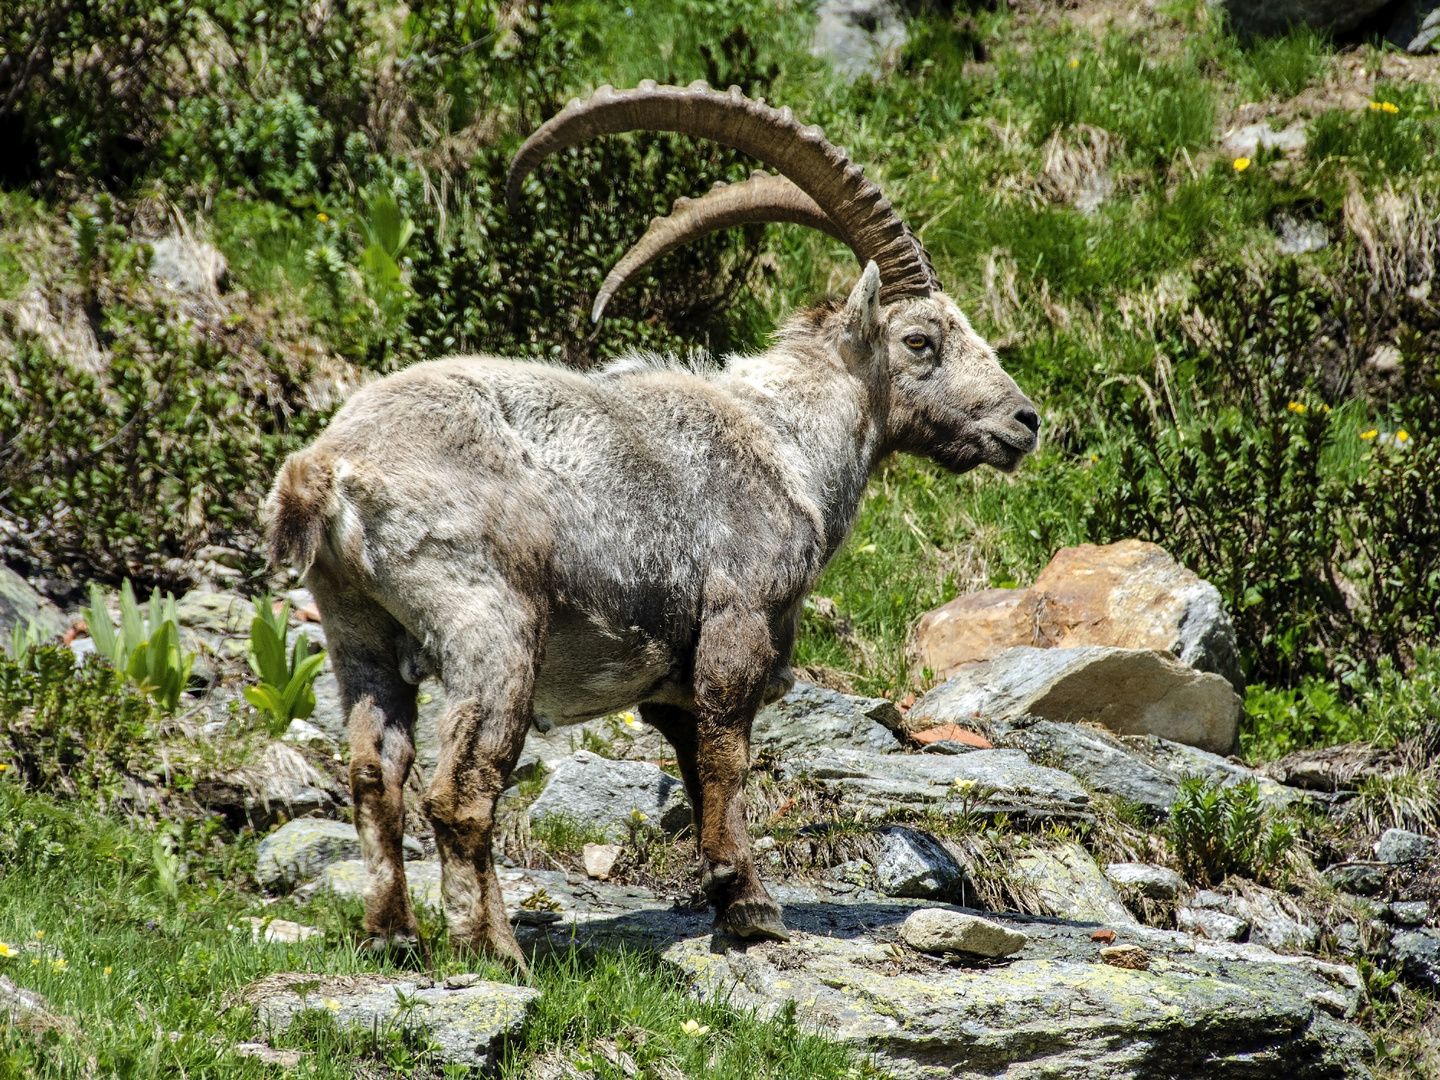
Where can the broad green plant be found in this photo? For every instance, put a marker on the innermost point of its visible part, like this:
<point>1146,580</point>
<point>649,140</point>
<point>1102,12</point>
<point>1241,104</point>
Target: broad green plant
<point>146,644</point>
<point>286,690</point>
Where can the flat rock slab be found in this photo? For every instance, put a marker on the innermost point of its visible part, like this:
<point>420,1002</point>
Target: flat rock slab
<point>1007,780</point>
<point>1100,759</point>
<point>1128,691</point>
<point>1201,1010</point>
<point>471,1025</point>
<point>812,718</point>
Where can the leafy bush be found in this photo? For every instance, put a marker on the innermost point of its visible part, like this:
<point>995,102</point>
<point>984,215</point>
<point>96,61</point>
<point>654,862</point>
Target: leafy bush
<point>1217,831</point>
<point>72,728</point>
<point>286,690</point>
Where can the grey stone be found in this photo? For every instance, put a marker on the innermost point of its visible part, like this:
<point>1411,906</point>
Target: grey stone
<point>1249,140</point>
<point>347,879</point>
<point>603,794</point>
<point>282,783</point>
<point>1398,846</point>
<point>1143,879</point>
<point>302,731</point>
<point>1424,41</point>
<point>188,265</point>
<point>1128,691</point>
<point>470,1025</point>
<point>301,850</point>
<point>218,612</point>
<point>1274,923</point>
<point>268,1055</point>
<point>1098,758</point>
<point>1268,18</point>
<point>1418,954</point>
<point>1065,881</point>
<point>1361,878</point>
<point>1003,781</point>
<point>811,718</point>
<point>913,863</point>
<point>1297,236</point>
<point>1409,912</point>
<point>22,606</point>
<point>1211,923</point>
<point>1181,760</point>
<point>859,38</point>
<point>943,930</point>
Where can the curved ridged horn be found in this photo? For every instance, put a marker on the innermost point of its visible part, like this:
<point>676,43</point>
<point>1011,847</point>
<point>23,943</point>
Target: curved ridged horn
<point>818,167</point>
<point>757,201</point>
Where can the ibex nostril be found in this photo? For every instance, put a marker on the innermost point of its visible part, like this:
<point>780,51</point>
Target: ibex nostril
<point>1029,417</point>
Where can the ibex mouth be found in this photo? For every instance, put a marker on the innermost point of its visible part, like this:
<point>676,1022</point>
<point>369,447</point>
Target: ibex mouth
<point>1015,435</point>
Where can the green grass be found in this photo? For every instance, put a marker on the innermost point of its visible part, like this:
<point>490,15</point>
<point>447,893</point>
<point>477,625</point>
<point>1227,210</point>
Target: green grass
<point>146,961</point>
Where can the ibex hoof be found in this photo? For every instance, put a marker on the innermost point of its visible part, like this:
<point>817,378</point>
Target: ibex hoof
<point>399,944</point>
<point>756,919</point>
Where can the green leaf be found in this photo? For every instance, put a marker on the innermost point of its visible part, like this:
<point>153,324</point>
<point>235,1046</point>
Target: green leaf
<point>269,652</point>
<point>267,699</point>
<point>132,624</point>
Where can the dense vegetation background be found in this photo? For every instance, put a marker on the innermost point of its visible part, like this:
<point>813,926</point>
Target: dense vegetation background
<point>1266,410</point>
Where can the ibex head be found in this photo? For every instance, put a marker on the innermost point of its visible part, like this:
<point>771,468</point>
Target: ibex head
<point>948,397</point>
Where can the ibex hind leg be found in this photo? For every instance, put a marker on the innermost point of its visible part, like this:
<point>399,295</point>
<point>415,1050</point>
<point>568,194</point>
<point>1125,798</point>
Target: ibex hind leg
<point>491,641</point>
<point>380,706</point>
<point>732,670</point>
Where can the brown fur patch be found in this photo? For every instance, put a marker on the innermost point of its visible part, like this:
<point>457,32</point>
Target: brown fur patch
<point>295,511</point>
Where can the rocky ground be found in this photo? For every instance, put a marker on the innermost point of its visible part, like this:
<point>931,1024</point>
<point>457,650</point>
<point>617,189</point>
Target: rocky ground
<point>992,795</point>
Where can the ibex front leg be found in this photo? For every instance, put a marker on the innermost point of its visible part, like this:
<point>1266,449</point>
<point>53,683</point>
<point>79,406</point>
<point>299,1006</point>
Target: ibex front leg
<point>732,668</point>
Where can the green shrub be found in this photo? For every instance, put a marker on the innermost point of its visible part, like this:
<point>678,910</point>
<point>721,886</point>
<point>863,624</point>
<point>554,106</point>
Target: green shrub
<point>1217,831</point>
<point>287,687</point>
<point>1277,722</point>
<point>72,728</point>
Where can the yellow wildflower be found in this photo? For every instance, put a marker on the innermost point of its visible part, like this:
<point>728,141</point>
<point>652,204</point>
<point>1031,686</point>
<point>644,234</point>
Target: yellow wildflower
<point>34,960</point>
<point>1386,106</point>
<point>331,1004</point>
<point>1297,407</point>
<point>39,934</point>
<point>58,965</point>
<point>8,950</point>
<point>637,816</point>
<point>108,970</point>
<point>1373,106</point>
<point>694,1028</point>
<point>3,766</point>
<point>1402,435</point>
<point>1074,63</point>
<point>1369,434</point>
<point>322,217</point>
<point>964,785</point>
<point>1241,164</point>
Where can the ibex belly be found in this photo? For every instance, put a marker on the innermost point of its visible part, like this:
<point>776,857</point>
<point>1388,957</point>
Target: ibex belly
<point>590,670</point>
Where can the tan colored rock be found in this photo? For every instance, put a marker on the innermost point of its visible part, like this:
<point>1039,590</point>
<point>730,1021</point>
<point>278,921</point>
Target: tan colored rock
<point>1131,595</point>
<point>941,930</point>
<point>600,859</point>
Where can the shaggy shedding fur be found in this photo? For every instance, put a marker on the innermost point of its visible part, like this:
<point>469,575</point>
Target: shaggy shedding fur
<point>557,546</point>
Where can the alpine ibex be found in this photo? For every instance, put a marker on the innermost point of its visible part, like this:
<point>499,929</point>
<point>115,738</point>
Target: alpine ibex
<point>561,545</point>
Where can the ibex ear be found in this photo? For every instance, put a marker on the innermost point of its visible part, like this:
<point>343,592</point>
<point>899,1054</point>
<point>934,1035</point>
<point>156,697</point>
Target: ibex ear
<point>862,318</point>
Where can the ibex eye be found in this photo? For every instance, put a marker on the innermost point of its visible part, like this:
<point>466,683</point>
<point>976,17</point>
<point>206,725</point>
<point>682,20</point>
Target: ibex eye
<point>916,341</point>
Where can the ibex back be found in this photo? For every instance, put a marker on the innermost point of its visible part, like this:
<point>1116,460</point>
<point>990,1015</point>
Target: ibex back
<point>556,546</point>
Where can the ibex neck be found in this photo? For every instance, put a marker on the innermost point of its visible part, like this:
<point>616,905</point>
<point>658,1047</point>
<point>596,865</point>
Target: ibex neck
<point>823,420</point>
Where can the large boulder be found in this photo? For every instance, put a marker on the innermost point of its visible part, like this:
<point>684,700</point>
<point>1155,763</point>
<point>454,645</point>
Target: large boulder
<point>22,606</point>
<point>469,1026</point>
<point>1130,595</point>
<point>1268,18</point>
<point>601,795</point>
<point>811,717</point>
<point>1129,691</point>
<point>987,781</point>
